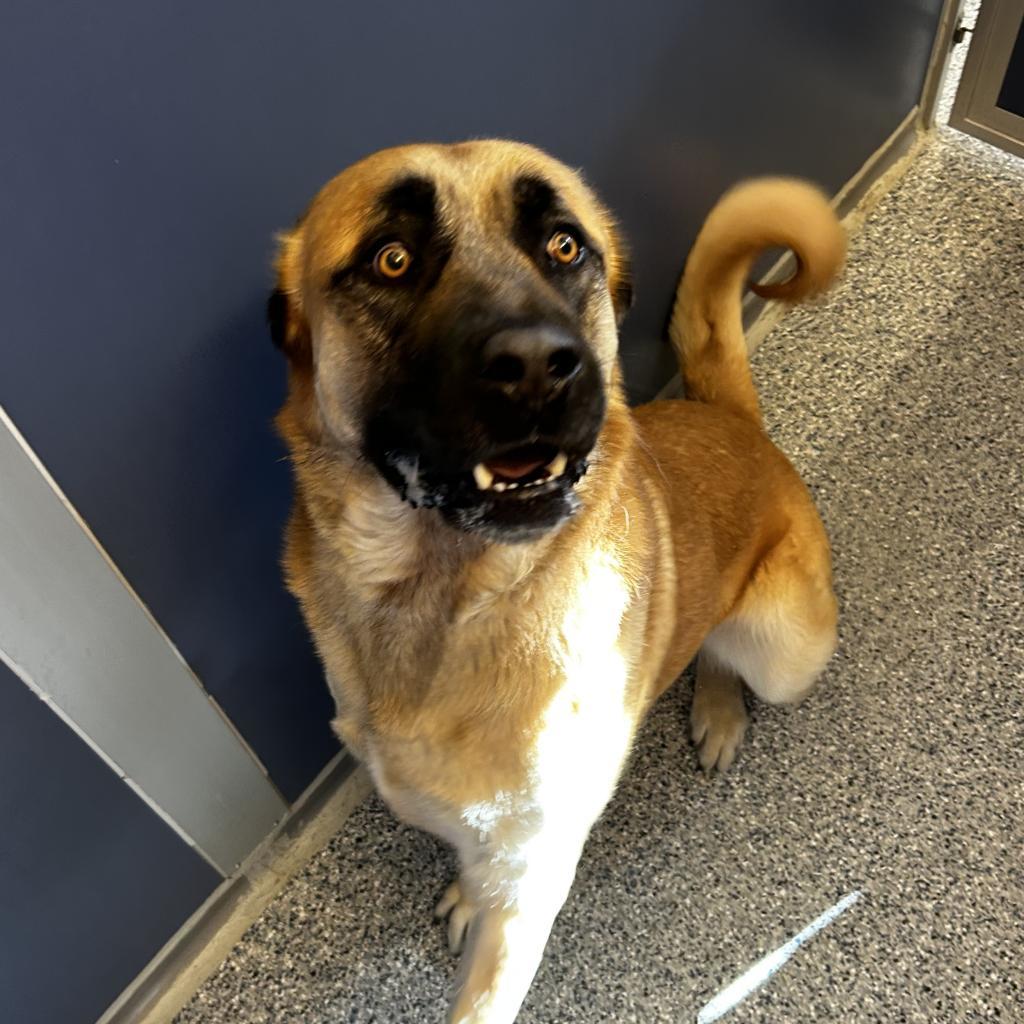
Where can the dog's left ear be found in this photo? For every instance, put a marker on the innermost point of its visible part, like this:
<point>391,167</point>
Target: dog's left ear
<point>620,274</point>
<point>277,317</point>
<point>289,328</point>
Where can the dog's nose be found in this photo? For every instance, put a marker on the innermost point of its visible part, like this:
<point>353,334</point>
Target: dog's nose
<point>532,364</point>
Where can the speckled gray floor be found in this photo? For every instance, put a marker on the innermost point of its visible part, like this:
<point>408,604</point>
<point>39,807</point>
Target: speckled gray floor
<point>902,401</point>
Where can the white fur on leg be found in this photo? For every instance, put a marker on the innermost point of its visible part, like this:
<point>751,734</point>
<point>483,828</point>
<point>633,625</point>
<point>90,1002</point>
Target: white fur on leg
<point>778,655</point>
<point>502,959</point>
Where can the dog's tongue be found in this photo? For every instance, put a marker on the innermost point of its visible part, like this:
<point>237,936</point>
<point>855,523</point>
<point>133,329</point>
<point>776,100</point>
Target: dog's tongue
<point>514,466</point>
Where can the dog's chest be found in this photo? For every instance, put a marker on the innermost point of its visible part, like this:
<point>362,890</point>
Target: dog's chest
<point>569,772</point>
<point>542,759</point>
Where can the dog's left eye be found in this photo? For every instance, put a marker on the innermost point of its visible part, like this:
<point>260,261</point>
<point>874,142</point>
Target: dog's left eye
<point>392,261</point>
<point>563,248</point>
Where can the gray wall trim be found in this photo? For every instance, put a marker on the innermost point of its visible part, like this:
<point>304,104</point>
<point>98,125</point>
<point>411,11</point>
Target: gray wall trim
<point>975,109</point>
<point>73,630</point>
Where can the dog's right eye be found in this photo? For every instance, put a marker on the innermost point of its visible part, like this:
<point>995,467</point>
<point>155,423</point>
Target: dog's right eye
<point>392,261</point>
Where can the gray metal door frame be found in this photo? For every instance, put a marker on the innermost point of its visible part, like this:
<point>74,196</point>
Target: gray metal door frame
<point>975,109</point>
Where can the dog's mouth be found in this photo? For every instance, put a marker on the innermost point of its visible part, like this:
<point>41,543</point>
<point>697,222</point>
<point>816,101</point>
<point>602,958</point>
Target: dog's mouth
<point>529,466</point>
<point>514,495</point>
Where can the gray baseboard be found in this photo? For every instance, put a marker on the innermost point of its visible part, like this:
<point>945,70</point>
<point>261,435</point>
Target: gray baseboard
<point>206,938</point>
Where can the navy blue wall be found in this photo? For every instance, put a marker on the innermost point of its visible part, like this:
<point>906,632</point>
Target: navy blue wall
<point>149,151</point>
<point>92,883</point>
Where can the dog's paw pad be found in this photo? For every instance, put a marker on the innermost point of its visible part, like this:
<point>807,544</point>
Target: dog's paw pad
<point>718,730</point>
<point>459,911</point>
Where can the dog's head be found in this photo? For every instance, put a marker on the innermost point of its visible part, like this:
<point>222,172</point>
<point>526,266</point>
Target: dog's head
<point>455,309</point>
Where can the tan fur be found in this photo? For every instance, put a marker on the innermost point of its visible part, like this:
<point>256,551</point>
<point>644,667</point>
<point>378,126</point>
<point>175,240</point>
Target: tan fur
<point>494,690</point>
<point>707,328</point>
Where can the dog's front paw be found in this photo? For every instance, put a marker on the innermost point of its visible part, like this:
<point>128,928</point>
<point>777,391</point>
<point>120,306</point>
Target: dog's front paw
<point>459,911</point>
<point>717,726</point>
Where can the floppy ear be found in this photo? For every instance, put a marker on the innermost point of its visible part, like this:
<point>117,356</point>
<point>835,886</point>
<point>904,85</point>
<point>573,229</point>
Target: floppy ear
<point>289,328</point>
<point>620,276</point>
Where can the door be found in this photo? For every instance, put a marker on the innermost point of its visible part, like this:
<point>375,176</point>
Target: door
<point>990,100</point>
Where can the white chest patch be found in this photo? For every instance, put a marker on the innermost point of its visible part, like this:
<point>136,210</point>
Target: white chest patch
<point>587,729</point>
<point>584,737</point>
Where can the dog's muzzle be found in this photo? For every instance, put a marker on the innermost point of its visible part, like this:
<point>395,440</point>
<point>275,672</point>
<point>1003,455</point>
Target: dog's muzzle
<point>499,447</point>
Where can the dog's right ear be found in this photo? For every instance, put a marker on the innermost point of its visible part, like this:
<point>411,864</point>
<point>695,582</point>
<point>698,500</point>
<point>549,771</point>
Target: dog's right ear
<point>289,328</point>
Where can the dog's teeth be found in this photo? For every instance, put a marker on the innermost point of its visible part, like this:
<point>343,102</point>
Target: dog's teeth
<point>556,467</point>
<point>499,486</point>
<point>483,476</point>
<point>511,485</point>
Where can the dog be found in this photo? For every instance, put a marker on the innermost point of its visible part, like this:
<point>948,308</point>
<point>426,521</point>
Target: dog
<point>501,564</point>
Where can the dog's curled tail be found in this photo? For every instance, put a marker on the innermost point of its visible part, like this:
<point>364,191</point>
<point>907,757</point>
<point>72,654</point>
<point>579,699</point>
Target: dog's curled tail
<point>707,320</point>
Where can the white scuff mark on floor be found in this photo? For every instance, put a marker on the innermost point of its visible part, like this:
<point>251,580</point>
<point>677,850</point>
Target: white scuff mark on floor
<point>753,978</point>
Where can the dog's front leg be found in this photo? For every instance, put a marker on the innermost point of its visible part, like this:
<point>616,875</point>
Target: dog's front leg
<point>508,936</point>
<point>518,871</point>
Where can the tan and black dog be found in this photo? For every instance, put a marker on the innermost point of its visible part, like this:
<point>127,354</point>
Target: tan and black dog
<point>502,565</point>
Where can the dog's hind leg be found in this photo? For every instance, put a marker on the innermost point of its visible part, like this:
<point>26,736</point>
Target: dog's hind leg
<point>777,639</point>
<point>718,716</point>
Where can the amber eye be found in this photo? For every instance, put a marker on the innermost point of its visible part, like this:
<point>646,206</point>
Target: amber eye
<point>563,248</point>
<point>392,261</point>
